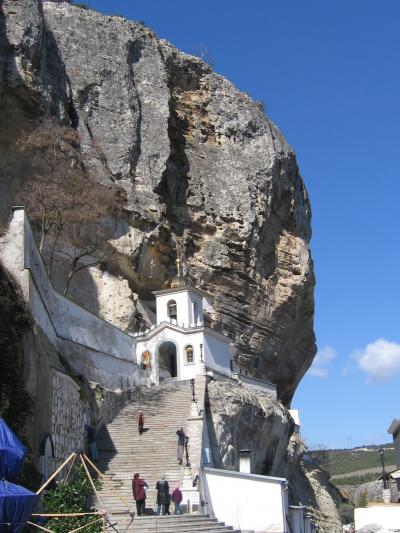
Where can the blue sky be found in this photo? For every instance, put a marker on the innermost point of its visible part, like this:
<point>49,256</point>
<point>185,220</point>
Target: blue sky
<point>328,73</point>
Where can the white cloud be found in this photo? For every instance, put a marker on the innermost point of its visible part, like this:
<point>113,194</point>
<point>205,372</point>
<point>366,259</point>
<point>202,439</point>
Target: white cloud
<point>380,360</point>
<point>320,367</point>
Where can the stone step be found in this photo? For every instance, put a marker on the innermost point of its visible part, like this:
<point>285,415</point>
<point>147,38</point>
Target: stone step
<point>182,523</point>
<point>183,529</point>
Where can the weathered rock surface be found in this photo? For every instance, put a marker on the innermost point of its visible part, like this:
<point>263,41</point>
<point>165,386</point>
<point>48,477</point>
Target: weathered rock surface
<point>371,491</point>
<point>240,419</point>
<point>205,172</point>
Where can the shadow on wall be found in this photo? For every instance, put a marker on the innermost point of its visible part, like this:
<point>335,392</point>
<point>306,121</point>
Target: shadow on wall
<point>82,290</point>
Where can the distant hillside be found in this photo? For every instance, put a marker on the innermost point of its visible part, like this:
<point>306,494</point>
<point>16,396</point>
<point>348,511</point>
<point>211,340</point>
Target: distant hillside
<point>352,463</point>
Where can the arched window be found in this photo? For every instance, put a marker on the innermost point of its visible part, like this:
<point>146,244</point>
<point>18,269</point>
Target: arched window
<point>46,449</point>
<point>189,354</point>
<point>171,307</point>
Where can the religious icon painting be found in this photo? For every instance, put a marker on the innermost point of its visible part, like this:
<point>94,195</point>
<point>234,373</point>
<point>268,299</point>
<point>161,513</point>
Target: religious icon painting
<point>146,359</point>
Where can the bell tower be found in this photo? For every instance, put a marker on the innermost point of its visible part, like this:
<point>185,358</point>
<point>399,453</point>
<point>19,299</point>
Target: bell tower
<point>179,303</point>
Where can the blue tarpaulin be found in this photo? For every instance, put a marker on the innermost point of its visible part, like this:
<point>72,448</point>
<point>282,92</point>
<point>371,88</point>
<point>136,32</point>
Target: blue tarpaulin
<point>12,453</point>
<point>16,507</point>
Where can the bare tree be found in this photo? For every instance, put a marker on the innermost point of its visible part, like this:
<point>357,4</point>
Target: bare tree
<point>86,230</point>
<point>67,208</point>
<point>53,155</point>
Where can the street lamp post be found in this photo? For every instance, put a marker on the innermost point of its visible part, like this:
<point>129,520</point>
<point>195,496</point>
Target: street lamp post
<point>187,451</point>
<point>382,453</point>
<point>192,384</point>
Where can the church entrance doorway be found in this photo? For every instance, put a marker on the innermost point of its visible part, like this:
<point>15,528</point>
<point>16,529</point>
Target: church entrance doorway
<point>167,363</point>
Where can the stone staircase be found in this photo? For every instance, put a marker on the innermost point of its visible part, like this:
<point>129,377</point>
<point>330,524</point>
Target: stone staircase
<point>122,452</point>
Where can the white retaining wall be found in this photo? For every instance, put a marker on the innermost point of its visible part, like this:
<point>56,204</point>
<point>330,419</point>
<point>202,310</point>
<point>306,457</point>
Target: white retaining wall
<point>385,516</point>
<point>93,347</point>
<point>246,501</point>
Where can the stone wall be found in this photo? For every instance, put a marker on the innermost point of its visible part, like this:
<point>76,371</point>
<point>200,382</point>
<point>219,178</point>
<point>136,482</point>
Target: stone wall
<point>61,402</point>
<point>69,414</point>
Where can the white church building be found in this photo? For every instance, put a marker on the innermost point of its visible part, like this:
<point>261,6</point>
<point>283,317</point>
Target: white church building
<point>180,346</point>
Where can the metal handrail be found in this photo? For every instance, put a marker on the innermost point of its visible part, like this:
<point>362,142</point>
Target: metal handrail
<point>125,397</point>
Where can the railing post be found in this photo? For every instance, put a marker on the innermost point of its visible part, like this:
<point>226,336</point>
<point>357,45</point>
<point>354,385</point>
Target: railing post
<point>187,451</point>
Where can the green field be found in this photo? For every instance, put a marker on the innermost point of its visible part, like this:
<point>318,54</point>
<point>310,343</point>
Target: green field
<point>338,462</point>
<point>355,480</point>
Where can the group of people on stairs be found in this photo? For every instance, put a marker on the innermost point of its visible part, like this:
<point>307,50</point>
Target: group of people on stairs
<point>164,498</point>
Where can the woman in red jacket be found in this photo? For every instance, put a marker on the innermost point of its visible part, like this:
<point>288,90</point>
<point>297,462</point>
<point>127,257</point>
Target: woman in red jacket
<point>177,498</point>
<point>139,487</point>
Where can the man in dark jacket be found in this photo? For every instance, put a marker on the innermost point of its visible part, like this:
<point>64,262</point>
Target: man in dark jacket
<point>181,445</point>
<point>162,488</point>
<point>139,493</point>
<point>140,419</point>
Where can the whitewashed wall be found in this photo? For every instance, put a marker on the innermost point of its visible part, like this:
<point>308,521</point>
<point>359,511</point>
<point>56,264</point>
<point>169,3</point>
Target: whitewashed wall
<point>91,345</point>
<point>386,516</point>
<point>189,307</point>
<point>218,351</point>
<point>181,340</point>
<point>246,501</point>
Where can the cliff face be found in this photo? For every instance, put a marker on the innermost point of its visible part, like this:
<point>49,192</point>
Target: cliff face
<point>205,173</point>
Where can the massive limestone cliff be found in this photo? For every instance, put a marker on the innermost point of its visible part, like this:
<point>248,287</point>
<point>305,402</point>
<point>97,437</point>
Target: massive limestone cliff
<point>205,173</point>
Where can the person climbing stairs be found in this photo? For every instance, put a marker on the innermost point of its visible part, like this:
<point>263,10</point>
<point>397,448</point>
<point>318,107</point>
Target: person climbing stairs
<point>124,452</point>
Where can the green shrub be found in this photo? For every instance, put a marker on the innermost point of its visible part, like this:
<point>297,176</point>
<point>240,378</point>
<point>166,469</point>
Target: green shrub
<point>346,513</point>
<point>72,497</point>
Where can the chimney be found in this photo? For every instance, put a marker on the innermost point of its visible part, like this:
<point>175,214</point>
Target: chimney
<point>244,461</point>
